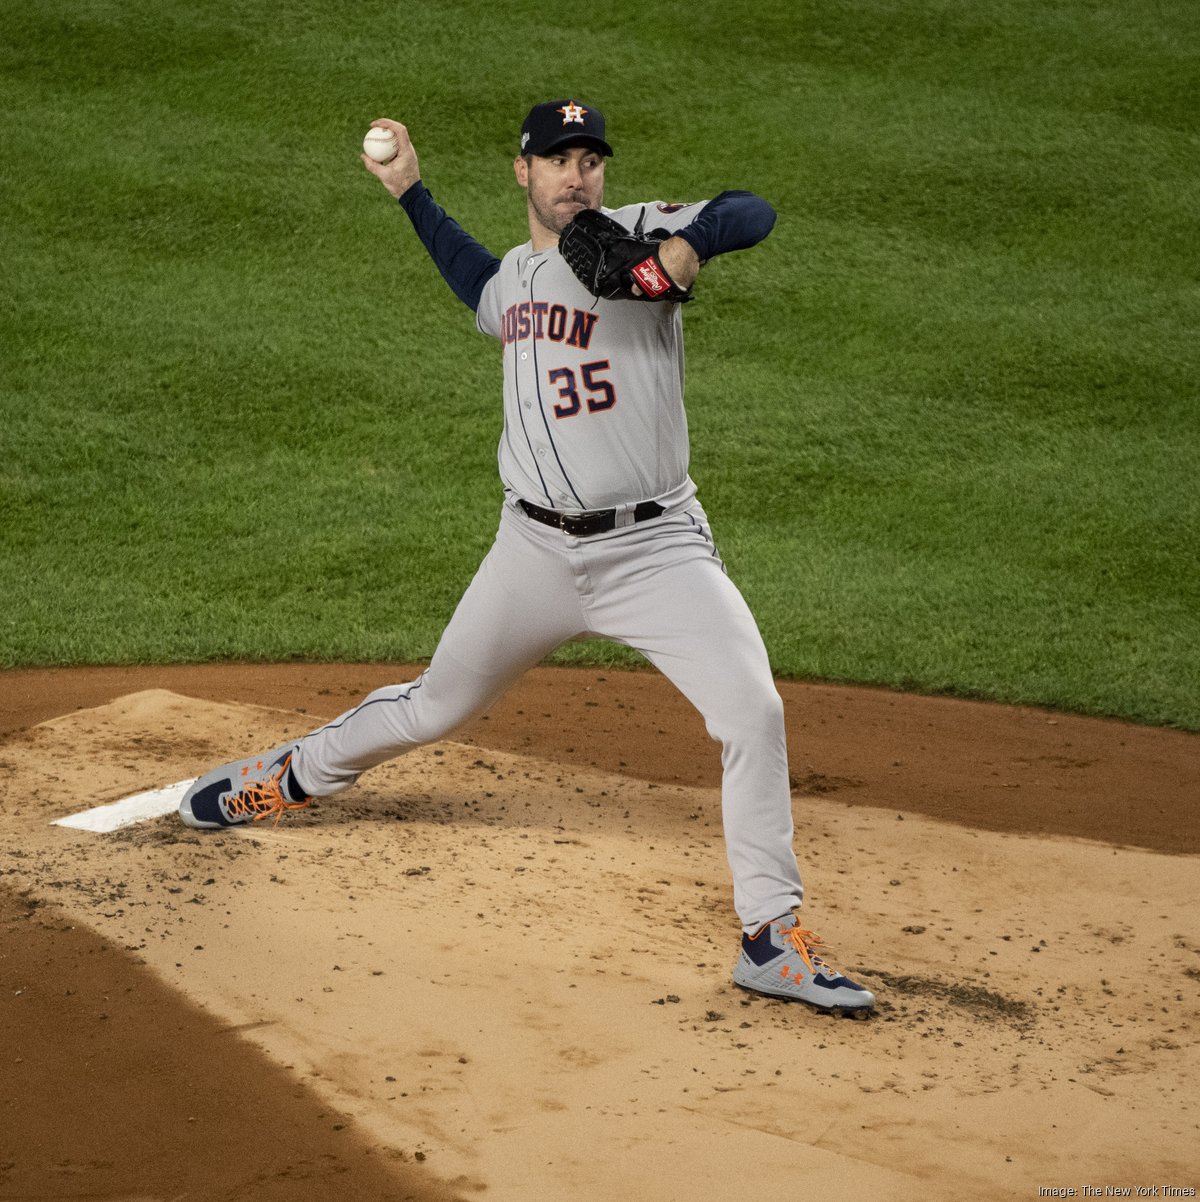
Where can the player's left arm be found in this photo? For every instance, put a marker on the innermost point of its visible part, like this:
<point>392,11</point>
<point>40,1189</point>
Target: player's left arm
<point>730,221</point>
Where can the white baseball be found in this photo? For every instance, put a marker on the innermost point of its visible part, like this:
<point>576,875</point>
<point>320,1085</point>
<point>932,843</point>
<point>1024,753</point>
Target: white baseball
<point>380,145</point>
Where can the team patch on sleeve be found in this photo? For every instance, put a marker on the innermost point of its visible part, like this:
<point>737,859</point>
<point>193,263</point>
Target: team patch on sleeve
<point>674,207</point>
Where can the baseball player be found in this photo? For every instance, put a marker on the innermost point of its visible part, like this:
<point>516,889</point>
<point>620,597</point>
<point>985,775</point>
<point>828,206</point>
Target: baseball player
<point>600,534</point>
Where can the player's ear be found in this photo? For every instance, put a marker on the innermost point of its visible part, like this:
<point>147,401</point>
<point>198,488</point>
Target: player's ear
<point>521,169</point>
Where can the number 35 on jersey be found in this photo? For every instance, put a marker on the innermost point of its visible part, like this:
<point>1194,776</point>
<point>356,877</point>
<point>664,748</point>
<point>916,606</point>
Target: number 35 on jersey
<point>598,392</point>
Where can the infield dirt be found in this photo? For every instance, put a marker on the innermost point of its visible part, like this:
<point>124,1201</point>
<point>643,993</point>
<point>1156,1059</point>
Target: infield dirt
<point>499,968</point>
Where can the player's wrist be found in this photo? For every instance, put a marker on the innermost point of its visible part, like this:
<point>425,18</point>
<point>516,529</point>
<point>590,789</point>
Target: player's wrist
<point>680,261</point>
<point>406,193</point>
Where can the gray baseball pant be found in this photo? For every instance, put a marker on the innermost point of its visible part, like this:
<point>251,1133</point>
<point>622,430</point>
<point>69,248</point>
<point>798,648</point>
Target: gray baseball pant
<point>659,587</point>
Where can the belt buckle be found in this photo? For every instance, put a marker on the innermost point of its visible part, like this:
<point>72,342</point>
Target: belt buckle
<point>580,521</point>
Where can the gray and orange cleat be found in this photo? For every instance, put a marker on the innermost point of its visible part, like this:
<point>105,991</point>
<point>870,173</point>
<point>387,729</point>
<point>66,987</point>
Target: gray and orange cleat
<point>248,790</point>
<point>780,960</point>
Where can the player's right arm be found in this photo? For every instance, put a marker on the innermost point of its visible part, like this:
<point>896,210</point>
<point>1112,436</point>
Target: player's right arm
<point>466,265</point>
<point>730,221</point>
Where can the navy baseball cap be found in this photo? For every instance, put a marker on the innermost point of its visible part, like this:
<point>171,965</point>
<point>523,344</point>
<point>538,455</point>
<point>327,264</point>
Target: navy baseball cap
<point>559,123</point>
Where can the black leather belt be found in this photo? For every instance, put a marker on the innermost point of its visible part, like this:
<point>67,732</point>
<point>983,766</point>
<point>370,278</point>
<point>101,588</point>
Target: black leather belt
<point>592,521</point>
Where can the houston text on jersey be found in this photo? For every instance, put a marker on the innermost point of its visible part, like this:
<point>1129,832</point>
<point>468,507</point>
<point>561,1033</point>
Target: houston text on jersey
<point>544,320</point>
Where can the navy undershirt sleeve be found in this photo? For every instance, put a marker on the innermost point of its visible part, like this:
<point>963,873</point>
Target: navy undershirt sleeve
<point>466,265</point>
<point>730,221</point>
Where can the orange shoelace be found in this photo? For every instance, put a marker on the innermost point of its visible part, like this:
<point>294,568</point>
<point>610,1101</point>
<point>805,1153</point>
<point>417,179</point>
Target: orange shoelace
<point>805,942</point>
<point>261,799</point>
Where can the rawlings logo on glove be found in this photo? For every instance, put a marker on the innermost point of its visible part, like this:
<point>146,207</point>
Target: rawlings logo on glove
<point>615,264</point>
<point>651,278</point>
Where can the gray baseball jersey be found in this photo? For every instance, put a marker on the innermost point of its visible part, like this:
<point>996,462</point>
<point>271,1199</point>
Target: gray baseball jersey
<point>593,389</point>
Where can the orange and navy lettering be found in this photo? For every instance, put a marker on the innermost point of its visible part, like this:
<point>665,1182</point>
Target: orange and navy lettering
<point>538,320</point>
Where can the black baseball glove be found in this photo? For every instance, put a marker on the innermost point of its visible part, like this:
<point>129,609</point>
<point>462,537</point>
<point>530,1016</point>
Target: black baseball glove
<point>610,261</point>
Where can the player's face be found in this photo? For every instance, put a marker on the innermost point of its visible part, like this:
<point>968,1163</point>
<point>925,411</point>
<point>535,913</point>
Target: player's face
<point>560,185</point>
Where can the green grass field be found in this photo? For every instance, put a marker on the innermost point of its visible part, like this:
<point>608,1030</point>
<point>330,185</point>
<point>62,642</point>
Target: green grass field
<point>945,420</point>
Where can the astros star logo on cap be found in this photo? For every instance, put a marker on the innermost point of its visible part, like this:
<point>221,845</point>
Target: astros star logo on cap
<point>572,112</point>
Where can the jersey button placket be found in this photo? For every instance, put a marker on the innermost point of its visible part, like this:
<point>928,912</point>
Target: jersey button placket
<point>528,374</point>
<point>524,376</point>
